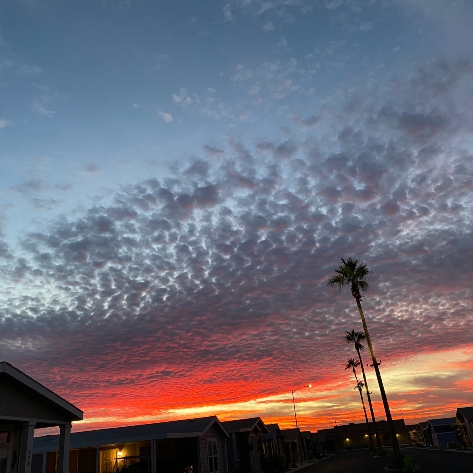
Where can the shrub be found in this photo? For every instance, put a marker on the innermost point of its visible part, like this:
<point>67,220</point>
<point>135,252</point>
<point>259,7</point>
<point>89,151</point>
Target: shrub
<point>273,464</point>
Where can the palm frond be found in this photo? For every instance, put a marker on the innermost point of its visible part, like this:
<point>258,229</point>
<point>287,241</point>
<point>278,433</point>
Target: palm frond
<point>352,363</point>
<point>355,337</point>
<point>350,273</point>
<point>359,385</point>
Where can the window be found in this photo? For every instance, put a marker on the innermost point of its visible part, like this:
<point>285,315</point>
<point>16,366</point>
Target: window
<point>213,457</point>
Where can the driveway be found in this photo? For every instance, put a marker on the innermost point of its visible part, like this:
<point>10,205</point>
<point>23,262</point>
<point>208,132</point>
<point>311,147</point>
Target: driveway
<point>361,461</point>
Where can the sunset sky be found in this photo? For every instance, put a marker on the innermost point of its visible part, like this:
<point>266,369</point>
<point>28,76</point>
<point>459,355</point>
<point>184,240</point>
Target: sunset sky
<point>179,180</point>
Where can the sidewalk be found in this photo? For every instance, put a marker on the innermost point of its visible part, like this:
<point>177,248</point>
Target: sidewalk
<point>434,449</point>
<point>310,462</point>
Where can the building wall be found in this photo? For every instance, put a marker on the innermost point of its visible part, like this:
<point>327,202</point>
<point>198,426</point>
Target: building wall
<point>214,433</point>
<point>344,437</point>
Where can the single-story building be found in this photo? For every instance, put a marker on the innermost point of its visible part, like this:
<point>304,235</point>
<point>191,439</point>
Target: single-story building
<point>343,437</point>
<point>274,441</point>
<point>25,406</point>
<point>464,426</point>
<point>245,444</point>
<point>437,432</point>
<point>293,450</point>
<point>168,447</point>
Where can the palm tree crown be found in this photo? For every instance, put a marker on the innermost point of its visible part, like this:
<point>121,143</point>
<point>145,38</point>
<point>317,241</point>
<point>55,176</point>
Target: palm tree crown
<point>350,273</point>
<point>352,364</point>
<point>360,385</point>
<point>356,338</point>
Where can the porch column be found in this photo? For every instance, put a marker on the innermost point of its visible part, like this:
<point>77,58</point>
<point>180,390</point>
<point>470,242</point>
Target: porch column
<point>64,448</point>
<point>45,459</point>
<point>97,459</point>
<point>153,456</point>
<point>225,456</point>
<point>26,447</point>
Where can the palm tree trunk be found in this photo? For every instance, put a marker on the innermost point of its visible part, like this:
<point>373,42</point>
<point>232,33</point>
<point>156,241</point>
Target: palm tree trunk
<point>364,409</point>
<point>366,418</point>
<point>398,461</point>
<point>378,440</point>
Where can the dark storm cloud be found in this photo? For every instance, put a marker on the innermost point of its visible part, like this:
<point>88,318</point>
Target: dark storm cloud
<point>229,260</point>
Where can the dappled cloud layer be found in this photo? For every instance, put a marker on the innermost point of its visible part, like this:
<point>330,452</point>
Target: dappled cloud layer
<point>209,287</point>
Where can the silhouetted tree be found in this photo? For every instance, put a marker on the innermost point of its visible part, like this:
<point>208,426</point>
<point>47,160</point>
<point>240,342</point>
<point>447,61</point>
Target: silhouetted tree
<point>352,274</point>
<point>353,364</point>
<point>356,338</point>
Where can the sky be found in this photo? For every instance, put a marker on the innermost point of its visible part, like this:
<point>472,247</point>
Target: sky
<point>179,180</point>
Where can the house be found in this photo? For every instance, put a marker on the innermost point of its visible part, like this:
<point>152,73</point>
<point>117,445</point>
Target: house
<point>345,437</point>
<point>25,406</point>
<point>415,434</point>
<point>464,426</point>
<point>162,447</point>
<point>245,444</point>
<point>274,441</point>
<point>437,432</point>
<point>293,450</point>
<point>308,445</point>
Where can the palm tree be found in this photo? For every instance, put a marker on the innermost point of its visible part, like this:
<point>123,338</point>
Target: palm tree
<point>353,364</point>
<point>356,338</point>
<point>352,274</point>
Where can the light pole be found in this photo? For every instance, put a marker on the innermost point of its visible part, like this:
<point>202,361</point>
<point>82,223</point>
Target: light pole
<point>294,402</point>
<point>295,416</point>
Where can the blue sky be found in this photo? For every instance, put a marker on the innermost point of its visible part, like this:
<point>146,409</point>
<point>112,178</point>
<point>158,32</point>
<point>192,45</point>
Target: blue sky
<point>192,172</point>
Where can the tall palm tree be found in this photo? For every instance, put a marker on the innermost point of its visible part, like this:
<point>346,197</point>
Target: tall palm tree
<point>356,338</point>
<point>352,274</point>
<point>353,364</point>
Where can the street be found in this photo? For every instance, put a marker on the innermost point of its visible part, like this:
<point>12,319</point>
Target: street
<point>361,461</point>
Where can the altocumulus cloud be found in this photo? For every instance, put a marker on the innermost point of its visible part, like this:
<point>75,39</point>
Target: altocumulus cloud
<point>219,271</point>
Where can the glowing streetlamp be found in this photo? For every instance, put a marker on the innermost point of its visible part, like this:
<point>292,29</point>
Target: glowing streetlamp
<point>294,402</point>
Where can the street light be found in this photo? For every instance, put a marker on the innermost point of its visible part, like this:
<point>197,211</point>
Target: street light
<point>293,401</point>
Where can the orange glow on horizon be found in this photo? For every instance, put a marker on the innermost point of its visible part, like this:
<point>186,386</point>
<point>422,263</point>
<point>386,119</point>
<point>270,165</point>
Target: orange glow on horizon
<point>412,394</point>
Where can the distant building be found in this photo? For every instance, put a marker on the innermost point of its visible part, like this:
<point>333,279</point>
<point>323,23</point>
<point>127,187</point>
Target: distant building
<point>415,434</point>
<point>162,447</point>
<point>437,432</point>
<point>343,437</point>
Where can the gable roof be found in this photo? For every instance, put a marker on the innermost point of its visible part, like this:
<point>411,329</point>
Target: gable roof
<point>445,421</point>
<point>467,412</point>
<point>291,435</point>
<point>8,370</point>
<point>273,431</point>
<point>134,433</point>
<point>246,425</point>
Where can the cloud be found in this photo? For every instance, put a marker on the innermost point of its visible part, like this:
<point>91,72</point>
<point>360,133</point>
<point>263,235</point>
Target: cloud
<point>213,151</point>
<point>227,12</point>
<point>269,26</point>
<point>42,109</point>
<point>182,97</point>
<point>332,4</point>
<point>5,122</point>
<point>167,117</point>
<point>209,275</point>
<point>91,169</point>
<point>366,26</point>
